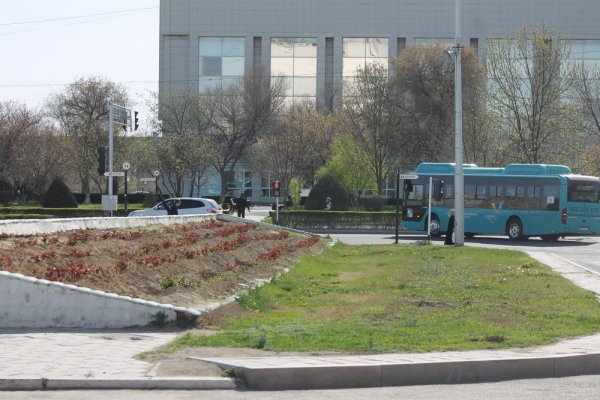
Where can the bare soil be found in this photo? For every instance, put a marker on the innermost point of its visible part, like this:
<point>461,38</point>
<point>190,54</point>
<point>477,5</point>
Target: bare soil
<point>186,265</point>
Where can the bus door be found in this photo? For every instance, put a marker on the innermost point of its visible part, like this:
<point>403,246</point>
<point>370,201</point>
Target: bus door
<point>583,207</point>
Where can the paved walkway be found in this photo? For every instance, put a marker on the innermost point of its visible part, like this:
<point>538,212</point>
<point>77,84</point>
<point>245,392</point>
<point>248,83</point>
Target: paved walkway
<point>107,359</point>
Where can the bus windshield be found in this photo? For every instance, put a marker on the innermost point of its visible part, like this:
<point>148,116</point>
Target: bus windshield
<point>583,190</point>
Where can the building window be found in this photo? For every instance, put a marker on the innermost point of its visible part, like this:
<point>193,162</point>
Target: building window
<point>586,52</point>
<point>295,59</point>
<point>221,61</point>
<point>358,52</point>
<point>239,182</point>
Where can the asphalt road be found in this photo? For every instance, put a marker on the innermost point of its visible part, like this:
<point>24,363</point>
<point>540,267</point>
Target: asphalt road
<point>578,387</point>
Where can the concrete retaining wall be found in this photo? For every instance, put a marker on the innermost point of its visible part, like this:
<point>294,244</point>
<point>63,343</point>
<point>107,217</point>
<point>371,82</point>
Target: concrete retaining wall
<point>27,302</point>
<point>39,226</point>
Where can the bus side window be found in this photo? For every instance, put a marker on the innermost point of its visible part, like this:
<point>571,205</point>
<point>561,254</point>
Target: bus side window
<point>511,191</point>
<point>482,192</point>
<point>470,191</point>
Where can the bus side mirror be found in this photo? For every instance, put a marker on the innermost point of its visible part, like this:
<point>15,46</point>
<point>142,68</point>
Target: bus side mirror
<point>408,186</point>
<point>438,190</point>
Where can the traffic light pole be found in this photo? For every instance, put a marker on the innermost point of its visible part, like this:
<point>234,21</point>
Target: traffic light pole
<point>111,123</point>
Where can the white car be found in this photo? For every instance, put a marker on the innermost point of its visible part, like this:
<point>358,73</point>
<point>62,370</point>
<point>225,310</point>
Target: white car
<point>189,205</point>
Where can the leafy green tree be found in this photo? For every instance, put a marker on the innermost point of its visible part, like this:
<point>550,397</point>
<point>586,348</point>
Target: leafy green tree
<point>348,164</point>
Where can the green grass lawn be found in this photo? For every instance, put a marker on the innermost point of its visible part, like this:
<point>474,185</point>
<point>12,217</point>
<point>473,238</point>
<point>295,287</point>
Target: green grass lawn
<point>384,298</point>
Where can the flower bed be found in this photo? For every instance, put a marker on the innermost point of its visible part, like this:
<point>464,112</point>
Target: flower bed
<point>184,264</point>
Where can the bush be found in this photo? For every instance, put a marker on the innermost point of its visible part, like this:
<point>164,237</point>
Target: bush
<point>149,200</point>
<point>7,197</point>
<point>5,185</point>
<point>372,203</point>
<point>328,186</point>
<point>59,195</point>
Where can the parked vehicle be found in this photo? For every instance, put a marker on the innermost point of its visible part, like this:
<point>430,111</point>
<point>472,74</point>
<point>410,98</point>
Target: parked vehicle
<point>189,205</point>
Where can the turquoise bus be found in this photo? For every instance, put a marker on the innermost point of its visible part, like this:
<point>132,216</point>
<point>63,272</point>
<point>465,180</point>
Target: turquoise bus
<point>520,200</point>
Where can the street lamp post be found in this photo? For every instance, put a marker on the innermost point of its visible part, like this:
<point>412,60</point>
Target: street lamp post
<point>459,179</point>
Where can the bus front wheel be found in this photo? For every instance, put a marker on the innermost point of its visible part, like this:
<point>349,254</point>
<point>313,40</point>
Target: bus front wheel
<point>514,228</point>
<point>435,227</point>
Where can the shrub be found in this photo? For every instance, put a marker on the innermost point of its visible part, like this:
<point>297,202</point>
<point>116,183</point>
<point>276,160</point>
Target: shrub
<point>59,195</point>
<point>149,200</point>
<point>372,203</point>
<point>328,186</point>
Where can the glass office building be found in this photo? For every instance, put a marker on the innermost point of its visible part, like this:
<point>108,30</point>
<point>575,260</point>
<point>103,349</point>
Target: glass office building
<point>316,45</point>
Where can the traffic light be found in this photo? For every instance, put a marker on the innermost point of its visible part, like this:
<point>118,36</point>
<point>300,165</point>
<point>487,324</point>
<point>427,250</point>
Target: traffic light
<point>101,160</point>
<point>276,189</point>
<point>136,121</point>
<point>124,117</point>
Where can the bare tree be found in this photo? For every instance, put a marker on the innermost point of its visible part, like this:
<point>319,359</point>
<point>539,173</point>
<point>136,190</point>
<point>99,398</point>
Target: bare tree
<point>236,115</point>
<point>31,154</point>
<point>183,151</point>
<point>297,145</point>
<point>526,83</point>
<point>42,156</point>
<point>372,120</point>
<point>586,87</point>
<point>15,121</point>
<point>81,111</point>
<point>424,94</point>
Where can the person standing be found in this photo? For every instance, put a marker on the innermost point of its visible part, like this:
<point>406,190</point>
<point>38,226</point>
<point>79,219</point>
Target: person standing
<point>241,204</point>
<point>173,209</point>
<point>450,229</point>
<point>328,204</point>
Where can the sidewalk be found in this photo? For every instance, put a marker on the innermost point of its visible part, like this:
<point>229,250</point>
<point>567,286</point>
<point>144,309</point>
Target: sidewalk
<point>32,360</point>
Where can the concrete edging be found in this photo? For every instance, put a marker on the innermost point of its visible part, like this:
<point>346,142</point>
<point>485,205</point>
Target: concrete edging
<point>175,383</point>
<point>404,374</point>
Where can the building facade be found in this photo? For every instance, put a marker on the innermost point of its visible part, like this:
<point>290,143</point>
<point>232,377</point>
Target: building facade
<point>317,44</point>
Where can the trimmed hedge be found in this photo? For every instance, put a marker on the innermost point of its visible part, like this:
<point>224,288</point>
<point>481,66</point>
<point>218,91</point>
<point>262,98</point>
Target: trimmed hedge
<point>300,219</point>
<point>38,212</point>
<point>96,198</point>
<point>24,216</point>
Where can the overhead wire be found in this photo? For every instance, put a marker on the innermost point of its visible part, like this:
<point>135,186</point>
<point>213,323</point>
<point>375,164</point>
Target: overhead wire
<point>87,18</point>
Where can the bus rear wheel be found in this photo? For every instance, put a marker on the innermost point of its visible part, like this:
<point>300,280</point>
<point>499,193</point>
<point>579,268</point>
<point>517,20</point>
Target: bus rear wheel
<point>514,228</point>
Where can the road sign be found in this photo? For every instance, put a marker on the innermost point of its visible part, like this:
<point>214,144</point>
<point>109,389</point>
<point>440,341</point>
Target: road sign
<point>156,173</point>
<point>146,180</point>
<point>126,166</point>
<point>121,173</point>
<point>409,176</point>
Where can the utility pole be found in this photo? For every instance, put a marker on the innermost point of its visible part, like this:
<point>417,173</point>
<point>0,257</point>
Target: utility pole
<point>459,179</point>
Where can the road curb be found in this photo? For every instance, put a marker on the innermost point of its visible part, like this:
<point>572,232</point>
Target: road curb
<point>354,375</point>
<point>175,383</point>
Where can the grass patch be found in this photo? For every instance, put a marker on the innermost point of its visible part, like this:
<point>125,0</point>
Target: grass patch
<point>384,298</point>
